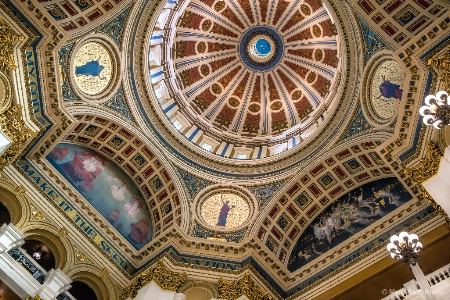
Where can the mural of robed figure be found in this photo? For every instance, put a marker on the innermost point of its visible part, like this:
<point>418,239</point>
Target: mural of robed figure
<point>223,215</point>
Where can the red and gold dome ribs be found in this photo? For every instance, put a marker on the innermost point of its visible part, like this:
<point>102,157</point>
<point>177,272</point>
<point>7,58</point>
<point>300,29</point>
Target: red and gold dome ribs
<point>253,69</point>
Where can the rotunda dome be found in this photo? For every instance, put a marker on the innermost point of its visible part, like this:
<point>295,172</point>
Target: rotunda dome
<point>250,74</point>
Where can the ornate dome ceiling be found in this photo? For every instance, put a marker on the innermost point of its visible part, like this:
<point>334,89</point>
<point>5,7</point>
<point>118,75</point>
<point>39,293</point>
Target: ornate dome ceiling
<point>250,73</point>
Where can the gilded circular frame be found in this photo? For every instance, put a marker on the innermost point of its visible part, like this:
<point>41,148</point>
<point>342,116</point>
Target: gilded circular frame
<point>225,208</point>
<point>109,48</point>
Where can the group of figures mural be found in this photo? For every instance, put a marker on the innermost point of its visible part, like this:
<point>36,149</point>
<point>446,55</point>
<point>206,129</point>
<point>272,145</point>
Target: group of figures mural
<point>110,191</point>
<point>346,216</point>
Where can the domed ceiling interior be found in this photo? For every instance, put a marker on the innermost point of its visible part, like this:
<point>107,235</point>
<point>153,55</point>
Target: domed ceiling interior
<point>248,74</point>
<point>264,136</point>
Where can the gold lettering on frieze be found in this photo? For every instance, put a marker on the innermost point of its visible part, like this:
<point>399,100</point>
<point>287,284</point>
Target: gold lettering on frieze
<point>246,286</point>
<point>159,273</point>
<point>8,40</point>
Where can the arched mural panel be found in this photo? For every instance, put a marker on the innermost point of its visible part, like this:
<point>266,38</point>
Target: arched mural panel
<point>346,216</point>
<point>107,188</point>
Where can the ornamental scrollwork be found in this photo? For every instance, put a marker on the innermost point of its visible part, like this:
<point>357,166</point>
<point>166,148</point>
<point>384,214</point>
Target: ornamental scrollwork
<point>8,40</point>
<point>34,298</point>
<point>427,167</point>
<point>442,66</point>
<point>14,128</point>
<point>163,277</point>
<point>246,286</point>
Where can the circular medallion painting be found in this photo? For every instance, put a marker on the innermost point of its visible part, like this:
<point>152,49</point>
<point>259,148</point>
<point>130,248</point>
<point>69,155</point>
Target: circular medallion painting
<point>386,89</point>
<point>92,68</point>
<point>226,211</point>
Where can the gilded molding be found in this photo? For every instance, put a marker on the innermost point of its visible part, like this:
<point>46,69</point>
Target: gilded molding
<point>80,256</point>
<point>427,167</point>
<point>442,65</point>
<point>233,289</point>
<point>34,298</point>
<point>164,278</point>
<point>8,40</point>
<point>20,190</point>
<point>63,232</point>
<point>14,128</point>
<point>104,273</point>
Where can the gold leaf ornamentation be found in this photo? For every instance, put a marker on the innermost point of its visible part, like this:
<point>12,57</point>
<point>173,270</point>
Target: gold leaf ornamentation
<point>230,289</point>
<point>20,190</point>
<point>62,232</point>
<point>80,256</point>
<point>8,40</point>
<point>442,66</point>
<point>104,273</point>
<point>427,167</point>
<point>34,298</point>
<point>166,280</point>
<point>14,128</point>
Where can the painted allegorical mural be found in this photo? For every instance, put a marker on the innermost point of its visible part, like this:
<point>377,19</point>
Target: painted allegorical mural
<point>110,191</point>
<point>346,216</point>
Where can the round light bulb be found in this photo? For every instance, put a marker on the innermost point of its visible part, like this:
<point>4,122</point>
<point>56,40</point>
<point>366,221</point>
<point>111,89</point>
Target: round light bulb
<point>438,124</point>
<point>403,235</point>
<point>419,246</point>
<point>413,237</point>
<point>442,96</point>
<point>425,110</point>
<point>394,239</point>
<point>428,120</point>
<point>391,247</point>
<point>430,100</point>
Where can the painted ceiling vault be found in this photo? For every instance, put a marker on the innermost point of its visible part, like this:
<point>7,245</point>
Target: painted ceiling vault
<point>228,136</point>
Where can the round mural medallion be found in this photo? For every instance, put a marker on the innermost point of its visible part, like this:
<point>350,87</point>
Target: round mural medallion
<point>92,68</point>
<point>386,88</point>
<point>225,210</point>
<point>261,48</point>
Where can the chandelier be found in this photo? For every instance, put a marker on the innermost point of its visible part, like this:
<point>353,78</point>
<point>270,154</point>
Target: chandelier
<point>405,248</point>
<point>436,112</point>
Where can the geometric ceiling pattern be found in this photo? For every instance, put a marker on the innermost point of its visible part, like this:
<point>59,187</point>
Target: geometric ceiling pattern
<point>400,20</point>
<point>73,15</point>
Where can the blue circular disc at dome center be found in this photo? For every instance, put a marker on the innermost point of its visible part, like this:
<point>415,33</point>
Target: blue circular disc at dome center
<point>263,46</point>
